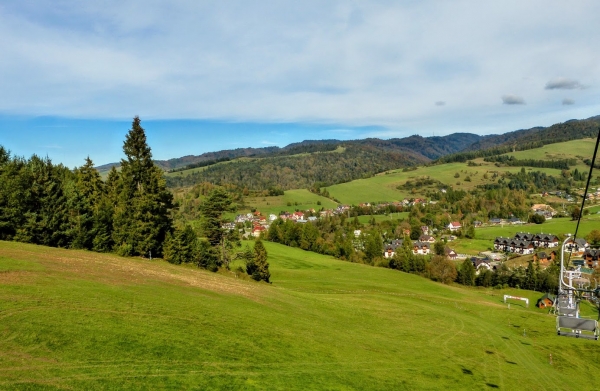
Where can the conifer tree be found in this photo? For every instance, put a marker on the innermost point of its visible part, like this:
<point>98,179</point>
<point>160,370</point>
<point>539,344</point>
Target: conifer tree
<point>85,194</point>
<point>258,268</point>
<point>466,274</point>
<point>141,219</point>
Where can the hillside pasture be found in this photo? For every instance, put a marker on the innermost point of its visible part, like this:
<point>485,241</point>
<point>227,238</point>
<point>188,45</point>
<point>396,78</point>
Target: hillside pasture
<point>384,187</point>
<point>300,199</point>
<point>80,320</point>
<point>574,149</point>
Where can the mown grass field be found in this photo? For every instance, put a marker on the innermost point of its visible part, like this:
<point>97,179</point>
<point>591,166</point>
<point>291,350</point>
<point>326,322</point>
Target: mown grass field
<point>300,199</point>
<point>366,219</point>
<point>383,187</point>
<point>86,321</point>
<point>574,149</point>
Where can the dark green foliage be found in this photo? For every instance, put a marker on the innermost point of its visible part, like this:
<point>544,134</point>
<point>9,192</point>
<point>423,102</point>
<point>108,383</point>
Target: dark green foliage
<point>257,266</point>
<point>561,164</point>
<point>49,204</point>
<point>142,214</point>
<point>537,218</point>
<point>442,269</point>
<point>373,246</point>
<point>291,172</point>
<point>212,209</point>
<point>439,247</point>
<point>522,140</point>
<point>181,246</point>
<point>593,237</point>
<point>466,274</point>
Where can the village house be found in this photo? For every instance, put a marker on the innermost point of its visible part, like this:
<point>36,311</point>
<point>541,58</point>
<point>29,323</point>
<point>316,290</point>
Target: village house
<point>418,248</point>
<point>525,243</point>
<point>454,226</point>
<point>451,254</point>
<point>427,239</point>
<point>578,247</point>
<point>481,264</point>
<point>257,230</point>
<point>297,216</point>
<point>421,248</point>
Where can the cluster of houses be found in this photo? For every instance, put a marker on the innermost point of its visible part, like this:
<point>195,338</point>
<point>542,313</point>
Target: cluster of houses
<point>543,210</point>
<point>593,196</point>
<point>525,243</point>
<point>423,246</point>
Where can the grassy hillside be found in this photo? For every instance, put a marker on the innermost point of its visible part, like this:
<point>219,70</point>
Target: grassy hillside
<point>383,187</point>
<point>80,320</point>
<point>299,199</point>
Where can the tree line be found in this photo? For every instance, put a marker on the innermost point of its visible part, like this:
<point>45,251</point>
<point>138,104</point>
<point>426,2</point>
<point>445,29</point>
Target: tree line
<point>561,164</point>
<point>130,213</point>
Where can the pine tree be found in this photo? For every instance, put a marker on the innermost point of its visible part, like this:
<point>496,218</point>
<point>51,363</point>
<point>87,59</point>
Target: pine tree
<point>142,218</point>
<point>85,194</point>
<point>466,274</point>
<point>260,268</point>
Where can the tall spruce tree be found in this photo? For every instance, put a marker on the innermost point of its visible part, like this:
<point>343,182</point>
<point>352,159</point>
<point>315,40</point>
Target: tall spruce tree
<point>258,267</point>
<point>221,240</point>
<point>142,218</point>
<point>85,194</point>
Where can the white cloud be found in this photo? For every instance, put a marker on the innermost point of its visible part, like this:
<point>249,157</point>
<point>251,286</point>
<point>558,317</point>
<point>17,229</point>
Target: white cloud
<point>375,63</point>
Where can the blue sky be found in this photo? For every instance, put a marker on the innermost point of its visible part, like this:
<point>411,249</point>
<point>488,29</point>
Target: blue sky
<point>216,75</point>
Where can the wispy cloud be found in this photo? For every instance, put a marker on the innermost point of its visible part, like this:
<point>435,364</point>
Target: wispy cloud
<point>440,103</point>
<point>562,83</point>
<point>512,100</point>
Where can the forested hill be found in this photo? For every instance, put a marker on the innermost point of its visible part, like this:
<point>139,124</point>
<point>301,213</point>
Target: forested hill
<point>301,164</point>
<point>526,139</point>
<point>569,130</point>
<point>300,171</point>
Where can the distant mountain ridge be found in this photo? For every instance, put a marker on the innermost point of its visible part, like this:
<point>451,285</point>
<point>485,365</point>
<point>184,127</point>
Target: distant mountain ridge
<point>414,149</point>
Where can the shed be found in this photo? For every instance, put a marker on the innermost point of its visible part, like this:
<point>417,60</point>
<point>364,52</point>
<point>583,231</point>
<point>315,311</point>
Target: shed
<point>546,301</point>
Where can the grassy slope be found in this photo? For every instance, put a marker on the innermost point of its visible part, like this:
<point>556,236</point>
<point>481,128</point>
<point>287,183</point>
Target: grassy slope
<point>78,320</point>
<point>383,186</point>
<point>574,149</point>
<point>305,200</point>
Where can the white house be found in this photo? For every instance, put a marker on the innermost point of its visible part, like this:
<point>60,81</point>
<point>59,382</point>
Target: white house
<point>454,226</point>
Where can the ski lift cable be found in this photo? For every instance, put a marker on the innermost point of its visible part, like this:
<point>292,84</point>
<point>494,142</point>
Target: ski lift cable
<point>587,186</point>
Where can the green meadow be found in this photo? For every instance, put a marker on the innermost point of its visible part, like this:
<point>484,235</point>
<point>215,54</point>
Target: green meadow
<point>300,199</point>
<point>574,149</point>
<point>85,321</point>
<point>383,187</point>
